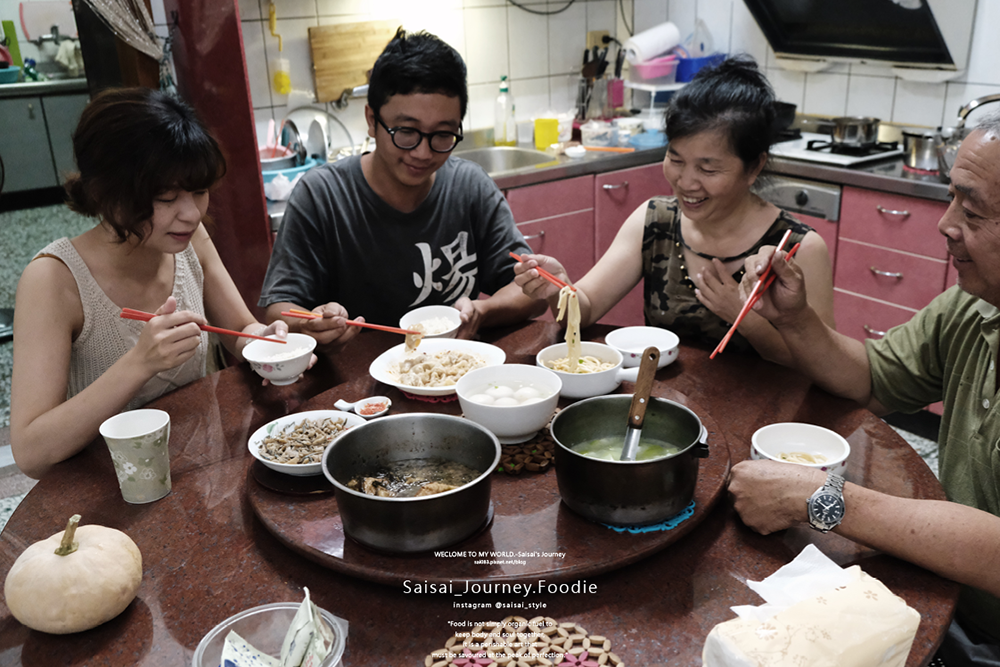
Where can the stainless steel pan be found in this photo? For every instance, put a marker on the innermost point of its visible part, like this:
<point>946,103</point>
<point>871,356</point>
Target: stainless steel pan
<point>855,131</point>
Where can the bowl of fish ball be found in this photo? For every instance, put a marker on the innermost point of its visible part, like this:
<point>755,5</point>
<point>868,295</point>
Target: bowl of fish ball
<point>804,444</point>
<point>281,363</point>
<point>589,436</point>
<point>432,321</point>
<point>514,401</point>
<point>632,341</point>
<point>413,482</point>
<point>294,444</point>
<point>598,371</point>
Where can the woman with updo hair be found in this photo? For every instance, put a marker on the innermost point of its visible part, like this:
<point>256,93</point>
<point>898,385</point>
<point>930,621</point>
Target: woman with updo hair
<point>689,248</point>
<point>146,165</point>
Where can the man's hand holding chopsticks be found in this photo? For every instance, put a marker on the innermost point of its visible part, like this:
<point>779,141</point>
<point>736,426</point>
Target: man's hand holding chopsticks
<point>785,299</point>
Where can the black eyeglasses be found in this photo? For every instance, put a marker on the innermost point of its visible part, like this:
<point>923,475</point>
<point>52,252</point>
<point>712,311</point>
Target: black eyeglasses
<point>408,138</point>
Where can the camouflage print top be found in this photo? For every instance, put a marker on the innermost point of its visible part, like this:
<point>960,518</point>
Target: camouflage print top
<point>669,292</point>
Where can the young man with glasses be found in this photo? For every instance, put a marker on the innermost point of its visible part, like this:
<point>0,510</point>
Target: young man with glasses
<point>403,226</point>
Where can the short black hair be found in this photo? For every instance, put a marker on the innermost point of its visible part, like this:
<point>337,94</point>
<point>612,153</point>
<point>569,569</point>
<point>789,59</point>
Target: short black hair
<point>417,62</point>
<point>734,97</point>
<point>132,144</point>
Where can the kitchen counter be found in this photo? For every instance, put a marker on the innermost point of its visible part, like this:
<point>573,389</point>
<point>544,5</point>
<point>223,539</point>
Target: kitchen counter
<point>206,555</point>
<point>888,175</point>
<point>38,88</point>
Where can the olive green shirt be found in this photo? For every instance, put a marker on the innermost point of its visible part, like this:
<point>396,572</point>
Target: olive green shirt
<point>948,352</point>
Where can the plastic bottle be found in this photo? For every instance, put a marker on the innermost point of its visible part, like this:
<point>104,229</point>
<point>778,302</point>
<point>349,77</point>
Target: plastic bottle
<point>504,127</point>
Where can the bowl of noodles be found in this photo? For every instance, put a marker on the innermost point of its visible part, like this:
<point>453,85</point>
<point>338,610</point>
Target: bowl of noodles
<point>596,370</point>
<point>802,444</point>
<point>435,367</point>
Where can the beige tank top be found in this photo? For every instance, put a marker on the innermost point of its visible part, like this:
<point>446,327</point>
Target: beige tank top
<point>106,337</point>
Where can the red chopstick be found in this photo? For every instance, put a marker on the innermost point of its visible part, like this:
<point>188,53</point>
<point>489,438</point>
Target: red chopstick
<point>305,315</point>
<point>131,314</point>
<point>762,284</point>
<point>545,274</point>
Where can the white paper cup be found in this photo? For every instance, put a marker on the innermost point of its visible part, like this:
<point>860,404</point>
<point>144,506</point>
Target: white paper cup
<point>138,441</point>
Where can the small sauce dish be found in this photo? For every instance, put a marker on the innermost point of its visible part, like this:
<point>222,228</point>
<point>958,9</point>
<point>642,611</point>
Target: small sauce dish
<point>369,408</point>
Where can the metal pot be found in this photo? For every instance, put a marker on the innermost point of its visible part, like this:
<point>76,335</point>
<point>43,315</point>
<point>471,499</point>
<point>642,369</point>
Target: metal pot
<point>631,493</point>
<point>920,149</point>
<point>405,525</point>
<point>855,131</point>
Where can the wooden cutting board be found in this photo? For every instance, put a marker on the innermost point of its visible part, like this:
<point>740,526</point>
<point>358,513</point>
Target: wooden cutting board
<point>343,54</point>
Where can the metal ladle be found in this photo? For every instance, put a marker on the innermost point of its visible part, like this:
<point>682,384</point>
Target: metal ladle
<point>640,400</point>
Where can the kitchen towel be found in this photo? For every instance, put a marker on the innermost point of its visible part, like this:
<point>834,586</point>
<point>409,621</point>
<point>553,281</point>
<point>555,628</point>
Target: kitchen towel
<point>650,43</point>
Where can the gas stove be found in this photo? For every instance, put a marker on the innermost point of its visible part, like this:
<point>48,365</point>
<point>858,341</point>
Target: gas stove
<point>813,147</point>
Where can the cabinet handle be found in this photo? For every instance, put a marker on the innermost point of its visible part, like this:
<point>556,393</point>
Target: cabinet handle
<point>880,209</point>
<point>31,111</point>
<point>873,332</point>
<point>615,187</point>
<point>535,236</point>
<point>887,274</point>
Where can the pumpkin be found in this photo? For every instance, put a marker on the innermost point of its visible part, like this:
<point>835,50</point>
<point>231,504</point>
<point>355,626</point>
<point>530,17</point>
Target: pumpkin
<point>75,580</point>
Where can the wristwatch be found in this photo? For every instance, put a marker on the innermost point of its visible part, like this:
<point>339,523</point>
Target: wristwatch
<point>826,506</point>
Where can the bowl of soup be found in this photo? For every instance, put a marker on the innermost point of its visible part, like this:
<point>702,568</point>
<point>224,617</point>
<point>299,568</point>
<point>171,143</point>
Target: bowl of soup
<point>513,401</point>
<point>599,371</point>
<point>594,483</point>
<point>803,444</point>
<point>413,482</point>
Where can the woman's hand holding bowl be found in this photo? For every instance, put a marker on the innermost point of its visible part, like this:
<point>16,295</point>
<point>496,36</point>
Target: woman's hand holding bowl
<point>532,282</point>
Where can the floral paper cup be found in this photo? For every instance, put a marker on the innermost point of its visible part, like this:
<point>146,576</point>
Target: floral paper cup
<point>138,442</point>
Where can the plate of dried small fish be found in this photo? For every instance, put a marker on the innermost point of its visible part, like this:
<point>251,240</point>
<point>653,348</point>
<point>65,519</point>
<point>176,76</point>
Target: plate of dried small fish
<point>294,444</point>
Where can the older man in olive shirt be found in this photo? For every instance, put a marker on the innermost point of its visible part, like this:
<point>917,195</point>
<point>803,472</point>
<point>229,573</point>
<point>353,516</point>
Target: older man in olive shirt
<point>948,352</point>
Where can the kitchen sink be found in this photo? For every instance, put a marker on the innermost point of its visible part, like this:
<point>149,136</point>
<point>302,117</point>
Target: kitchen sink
<point>498,159</point>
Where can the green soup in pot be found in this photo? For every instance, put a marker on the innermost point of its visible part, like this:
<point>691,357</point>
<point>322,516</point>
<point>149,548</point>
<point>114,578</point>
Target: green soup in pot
<point>610,448</point>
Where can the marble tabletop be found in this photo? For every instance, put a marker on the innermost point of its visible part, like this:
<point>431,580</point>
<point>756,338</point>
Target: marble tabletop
<point>206,555</point>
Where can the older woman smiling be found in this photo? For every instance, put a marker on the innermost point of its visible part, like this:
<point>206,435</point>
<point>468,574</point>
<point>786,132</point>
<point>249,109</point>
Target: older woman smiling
<point>690,248</point>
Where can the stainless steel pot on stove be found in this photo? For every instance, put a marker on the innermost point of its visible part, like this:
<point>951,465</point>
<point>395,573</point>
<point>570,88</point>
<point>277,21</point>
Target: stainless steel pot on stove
<point>855,131</point>
<point>920,149</point>
<point>627,493</point>
<point>404,525</point>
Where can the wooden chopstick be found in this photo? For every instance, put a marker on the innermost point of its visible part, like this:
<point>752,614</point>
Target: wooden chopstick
<point>610,149</point>
<point>132,314</point>
<point>544,274</point>
<point>754,295</point>
<point>295,312</point>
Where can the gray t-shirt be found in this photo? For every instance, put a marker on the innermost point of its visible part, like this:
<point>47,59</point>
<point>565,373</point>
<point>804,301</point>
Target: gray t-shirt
<point>339,241</point>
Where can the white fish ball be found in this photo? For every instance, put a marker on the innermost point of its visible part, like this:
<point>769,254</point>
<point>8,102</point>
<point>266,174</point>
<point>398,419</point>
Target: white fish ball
<point>484,399</point>
<point>500,391</point>
<point>525,393</point>
<point>506,401</point>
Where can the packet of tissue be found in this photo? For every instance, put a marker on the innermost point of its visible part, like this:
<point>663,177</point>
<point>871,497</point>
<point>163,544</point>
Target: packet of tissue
<point>280,188</point>
<point>816,614</point>
<point>307,642</point>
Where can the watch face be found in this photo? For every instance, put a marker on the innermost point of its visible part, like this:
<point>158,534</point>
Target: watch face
<point>827,508</point>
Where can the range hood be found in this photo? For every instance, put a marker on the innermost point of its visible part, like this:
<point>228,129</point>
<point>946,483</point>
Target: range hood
<point>925,39</point>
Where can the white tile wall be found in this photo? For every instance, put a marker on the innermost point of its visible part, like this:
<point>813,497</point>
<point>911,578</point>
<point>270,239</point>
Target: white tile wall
<point>542,54</point>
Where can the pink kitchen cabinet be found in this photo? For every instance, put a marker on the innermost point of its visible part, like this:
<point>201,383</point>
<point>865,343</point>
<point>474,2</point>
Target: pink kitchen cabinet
<point>893,221</point>
<point>889,275</point>
<point>617,195</point>
<point>557,219</point>
<point>891,260</point>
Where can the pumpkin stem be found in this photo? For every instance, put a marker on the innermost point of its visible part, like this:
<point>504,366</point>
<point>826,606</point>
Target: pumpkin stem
<point>68,546</point>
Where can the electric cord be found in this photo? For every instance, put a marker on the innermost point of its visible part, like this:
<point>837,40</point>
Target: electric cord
<point>621,6</point>
<point>535,11</point>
